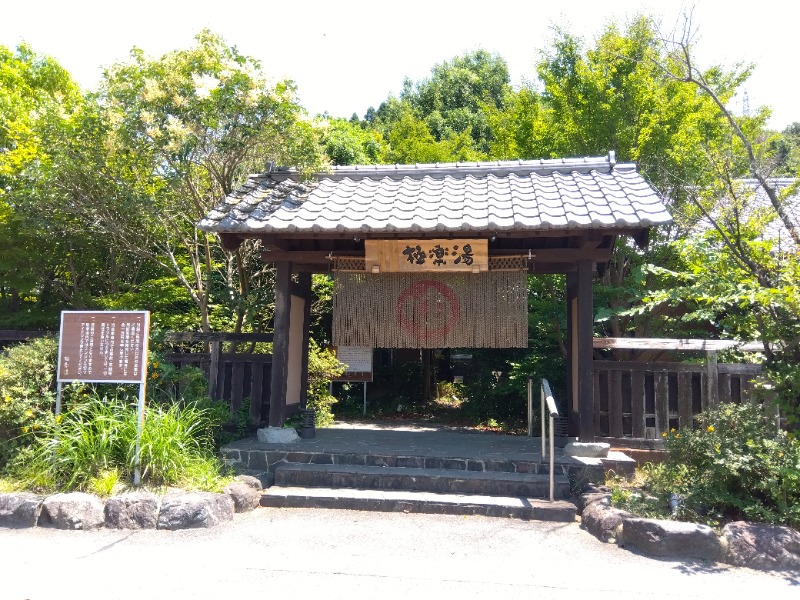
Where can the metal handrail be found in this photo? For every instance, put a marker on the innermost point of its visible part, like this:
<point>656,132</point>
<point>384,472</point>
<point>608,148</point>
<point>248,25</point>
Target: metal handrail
<point>546,398</point>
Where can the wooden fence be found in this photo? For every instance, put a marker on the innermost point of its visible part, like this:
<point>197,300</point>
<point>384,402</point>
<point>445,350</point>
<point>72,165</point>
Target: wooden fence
<point>231,376</point>
<point>635,402</point>
<point>15,336</point>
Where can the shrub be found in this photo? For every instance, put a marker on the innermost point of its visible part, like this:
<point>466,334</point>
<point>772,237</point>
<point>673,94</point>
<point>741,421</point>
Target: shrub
<point>27,393</point>
<point>735,464</point>
<point>322,367</point>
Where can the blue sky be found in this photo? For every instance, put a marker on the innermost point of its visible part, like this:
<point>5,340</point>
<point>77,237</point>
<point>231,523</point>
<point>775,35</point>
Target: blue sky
<point>347,55</point>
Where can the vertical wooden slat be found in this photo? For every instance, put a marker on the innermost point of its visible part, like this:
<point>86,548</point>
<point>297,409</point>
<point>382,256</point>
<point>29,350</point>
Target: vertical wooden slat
<point>213,371</point>
<point>637,403</point>
<point>615,404</point>
<point>746,387</point>
<point>684,400</point>
<point>237,385</point>
<point>256,391</point>
<point>598,403</point>
<point>724,387</point>
<point>661,381</point>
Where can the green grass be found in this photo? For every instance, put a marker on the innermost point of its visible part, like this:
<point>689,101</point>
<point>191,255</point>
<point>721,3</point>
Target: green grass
<point>91,447</point>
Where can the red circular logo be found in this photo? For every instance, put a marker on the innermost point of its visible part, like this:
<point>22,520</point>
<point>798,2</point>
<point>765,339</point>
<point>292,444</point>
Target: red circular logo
<point>427,308</point>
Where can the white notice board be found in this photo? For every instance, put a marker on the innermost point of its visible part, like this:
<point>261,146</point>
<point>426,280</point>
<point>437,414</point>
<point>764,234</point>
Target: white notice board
<point>358,360</point>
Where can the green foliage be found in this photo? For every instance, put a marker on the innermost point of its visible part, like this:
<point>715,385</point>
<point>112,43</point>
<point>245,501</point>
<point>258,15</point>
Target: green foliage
<point>753,292</point>
<point>91,446</point>
<point>27,393</point>
<point>347,143</point>
<point>453,99</point>
<point>786,149</point>
<point>735,464</point>
<point>322,367</point>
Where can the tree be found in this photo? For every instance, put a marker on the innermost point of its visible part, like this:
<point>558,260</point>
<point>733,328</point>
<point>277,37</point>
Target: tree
<point>751,293</point>
<point>453,99</point>
<point>178,133</point>
<point>347,143</point>
<point>760,162</point>
<point>44,252</point>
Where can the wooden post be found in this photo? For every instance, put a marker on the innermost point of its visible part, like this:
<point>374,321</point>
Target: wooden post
<point>304,287</point>
<point>572,354</point>
<point>712,380</point>
<point>280,343</point>
<point>585,371</point>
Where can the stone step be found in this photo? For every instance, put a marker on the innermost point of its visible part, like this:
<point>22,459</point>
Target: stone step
<point>256,459</point>
<point>441,481</point>
<point>419,502</point>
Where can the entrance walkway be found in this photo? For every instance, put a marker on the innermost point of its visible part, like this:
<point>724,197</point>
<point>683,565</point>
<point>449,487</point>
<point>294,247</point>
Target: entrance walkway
<point>407,439</point>
<point>419,468</point>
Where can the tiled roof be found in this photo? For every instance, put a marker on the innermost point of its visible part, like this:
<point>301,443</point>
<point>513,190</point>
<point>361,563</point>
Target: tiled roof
<point>775,229</point>
<point>585,193</point>
<point>759,204</point>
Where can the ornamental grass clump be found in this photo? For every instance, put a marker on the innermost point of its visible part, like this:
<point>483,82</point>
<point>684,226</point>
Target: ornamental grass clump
<point>91,447</point>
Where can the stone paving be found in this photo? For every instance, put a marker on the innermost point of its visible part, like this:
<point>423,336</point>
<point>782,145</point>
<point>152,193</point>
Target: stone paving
<point>423,440</point>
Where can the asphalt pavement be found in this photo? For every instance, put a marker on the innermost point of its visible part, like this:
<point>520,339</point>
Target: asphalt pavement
<point>318,553</point>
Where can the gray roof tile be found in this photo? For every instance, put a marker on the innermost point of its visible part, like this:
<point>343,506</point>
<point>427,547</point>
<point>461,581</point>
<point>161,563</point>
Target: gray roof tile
<point>447,197</point>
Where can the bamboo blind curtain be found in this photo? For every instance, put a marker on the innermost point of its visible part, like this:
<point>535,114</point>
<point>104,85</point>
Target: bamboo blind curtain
<point>416,310</point>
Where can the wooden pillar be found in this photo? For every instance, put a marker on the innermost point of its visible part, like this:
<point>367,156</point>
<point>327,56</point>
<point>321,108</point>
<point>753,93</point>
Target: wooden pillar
<point>280,343</point>
<point>304,288</point>
<point>585,371</point>
<point>572,354</point>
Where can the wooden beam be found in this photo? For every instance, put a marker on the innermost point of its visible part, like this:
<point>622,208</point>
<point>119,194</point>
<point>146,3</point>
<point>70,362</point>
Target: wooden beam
<point>193,337</point>
<point>230,241</point>
<point>642,238</point>
<point>274,254</point>
<point>15,335</point>
<point>686,345</point>
<point>557,255</point>
<point>280,344</point>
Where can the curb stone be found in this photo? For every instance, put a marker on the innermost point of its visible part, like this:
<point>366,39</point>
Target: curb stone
<point>138,510</point>
<point>754,545</point>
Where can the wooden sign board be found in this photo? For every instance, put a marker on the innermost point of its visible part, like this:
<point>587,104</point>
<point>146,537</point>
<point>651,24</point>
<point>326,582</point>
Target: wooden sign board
<point>103,346</point>
<point>425,256</point>
<point>358,361</point>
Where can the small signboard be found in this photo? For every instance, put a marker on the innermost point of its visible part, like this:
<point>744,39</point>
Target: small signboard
<point>106,347</point>
<point>103,346</point>
<point>358,361</point>
<point>418,256</point>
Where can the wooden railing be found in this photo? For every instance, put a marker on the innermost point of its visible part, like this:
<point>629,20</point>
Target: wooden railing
<point>231,376</point>
<point>13,336</point>
<point>636,402</point>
